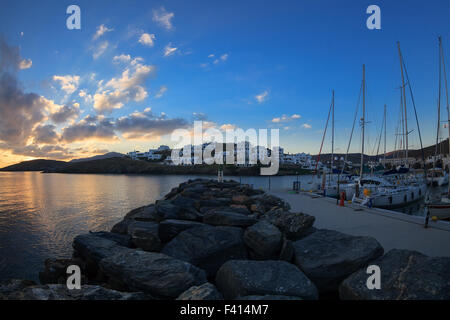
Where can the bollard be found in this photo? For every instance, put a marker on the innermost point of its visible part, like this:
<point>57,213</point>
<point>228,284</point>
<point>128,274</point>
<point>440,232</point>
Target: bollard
<point>342,199</point>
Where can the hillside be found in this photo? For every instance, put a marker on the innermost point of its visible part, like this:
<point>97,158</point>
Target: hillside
<point>36,165</point>
<point>127,166</point>
<point>102,156</point>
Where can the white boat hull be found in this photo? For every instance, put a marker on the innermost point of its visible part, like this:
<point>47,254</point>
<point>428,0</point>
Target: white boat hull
<point>395,198</point>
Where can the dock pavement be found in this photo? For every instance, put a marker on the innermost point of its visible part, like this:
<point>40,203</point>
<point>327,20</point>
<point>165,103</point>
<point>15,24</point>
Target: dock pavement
<point>392,229</point>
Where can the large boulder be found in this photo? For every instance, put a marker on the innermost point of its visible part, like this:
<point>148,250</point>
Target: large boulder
<point>169,229</point>
<point>153,273</point>
<point>327,257</point>
<point>264,240</point>
<point>61,292</point>
<point>92,248</point>
<point>405,275</point>
<point>166,210</point>
<point>228,218</point>
<point>206,291</point>
<point>144,235</point>
<point>123,240</point>
<point>287,250</point>
<point>270,202</point>
<point>208,247</point>
<point>294,225</point>
<point>146,213</point>
<point>240,278</point>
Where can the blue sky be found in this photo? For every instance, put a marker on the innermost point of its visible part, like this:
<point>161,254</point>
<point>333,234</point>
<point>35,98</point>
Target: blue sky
<point>290,54</point>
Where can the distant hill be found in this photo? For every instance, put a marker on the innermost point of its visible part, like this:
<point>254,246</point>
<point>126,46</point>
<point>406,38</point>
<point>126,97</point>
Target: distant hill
<point>443,148</point>
<point>36,165</point>
<point>99,157</point>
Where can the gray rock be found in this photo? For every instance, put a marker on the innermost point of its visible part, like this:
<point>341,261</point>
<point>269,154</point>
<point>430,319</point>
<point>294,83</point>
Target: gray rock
<point>287,251</point>
<point>228,218</point>
<point>10,286</point>
<point>327,257</point>
<point>169,229</point>
<point>153,273</point>
<point>166,210</point>
<point>268,297</point>
<point>213,203</point>
<point>121,240</point>
<point>60,292</point>
<point>189,213</point>
<point>93,248</point>
<point>182,201</point>
<point>208,247</point>
<point>144,235</point>
<point>206,291</point>
<point>405,275</point>
<point>264,239</point>
<point>294,225</point>
<point>239,278</point>
<point>121,227</point>
<point>146,213</point>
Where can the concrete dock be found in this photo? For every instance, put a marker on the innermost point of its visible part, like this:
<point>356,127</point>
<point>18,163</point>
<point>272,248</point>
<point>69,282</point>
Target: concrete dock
<point>391,229</point>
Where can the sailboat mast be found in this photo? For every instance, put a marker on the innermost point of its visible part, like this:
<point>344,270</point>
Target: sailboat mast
<point>332,134</point>
<point>404,102</point>
<point>441,50</point>
<point>438,107</point>
<point>384,158</point>
<point>363,119</point>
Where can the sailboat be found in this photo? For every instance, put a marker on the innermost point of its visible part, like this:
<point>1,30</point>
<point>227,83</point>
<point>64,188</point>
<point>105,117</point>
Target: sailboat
<point>380,191</point>
<point>330,186</point>
<point>441,208</point>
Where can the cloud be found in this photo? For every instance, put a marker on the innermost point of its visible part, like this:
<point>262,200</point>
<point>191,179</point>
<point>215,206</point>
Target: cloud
<point>129,86</point>
<point>100,49</point>
<point>65,113</point>
<point>306,126</point>
<point>68,83</point>
<point>145,125</point>
<point>9,57</point>
<point>126,58</point>
<point>260,98</point>
<point>20,111</point>
<point>87,97</point>
<point>285,118</point>
<point>163,18</point>
<point>25,64</point>
<point>222,58</point>
<point>169,50</point>
<point>161,92</point>
<point>45,134</point>
<point>46,151</point>
<point>101,30</point>
<point>22,114</point>
<point>147,39</point>
<point>90,128</point>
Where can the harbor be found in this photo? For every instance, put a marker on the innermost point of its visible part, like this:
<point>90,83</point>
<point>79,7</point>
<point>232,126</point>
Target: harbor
<point>392,229</point>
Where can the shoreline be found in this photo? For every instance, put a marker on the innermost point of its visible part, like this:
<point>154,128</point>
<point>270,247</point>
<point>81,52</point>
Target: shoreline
<point>204,240</point>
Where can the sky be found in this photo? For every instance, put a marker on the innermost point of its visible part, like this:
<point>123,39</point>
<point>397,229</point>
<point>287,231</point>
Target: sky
<point>137,70</point>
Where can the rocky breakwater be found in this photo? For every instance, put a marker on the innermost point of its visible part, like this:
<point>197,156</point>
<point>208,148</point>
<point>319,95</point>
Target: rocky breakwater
<point>207,240</point>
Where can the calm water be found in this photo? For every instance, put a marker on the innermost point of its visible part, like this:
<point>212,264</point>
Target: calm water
<point>40,214</point>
